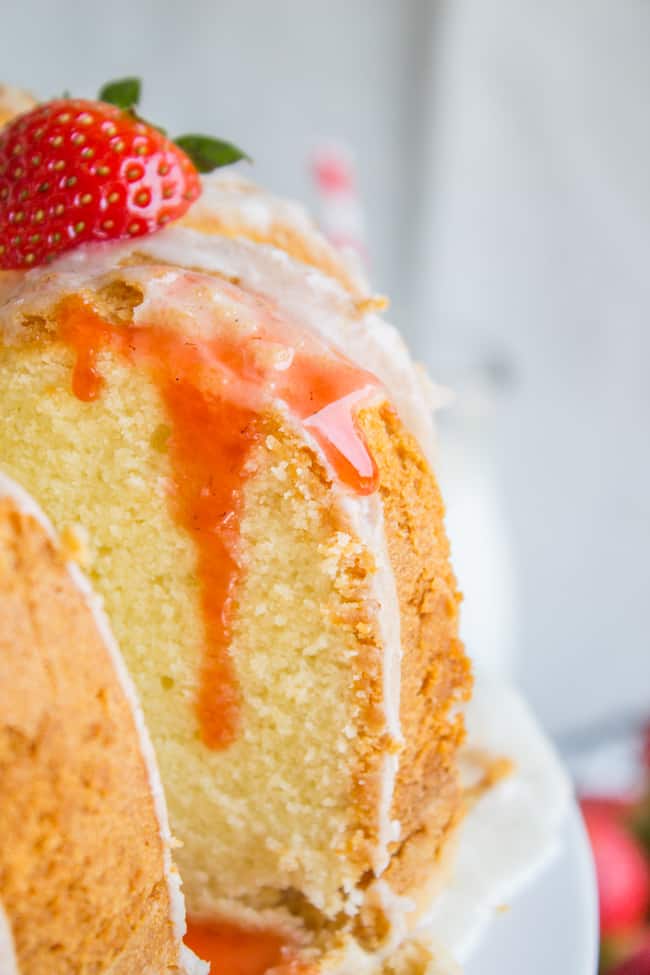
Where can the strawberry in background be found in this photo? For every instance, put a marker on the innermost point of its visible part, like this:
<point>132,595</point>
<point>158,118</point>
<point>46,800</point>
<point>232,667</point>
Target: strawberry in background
<point>619,832</point>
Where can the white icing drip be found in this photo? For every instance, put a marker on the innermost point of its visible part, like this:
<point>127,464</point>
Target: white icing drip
<point>230,195</point>
<point>238,201</point>
<point>190,964</point>
<point>28,506</point>
<point>8,961</point>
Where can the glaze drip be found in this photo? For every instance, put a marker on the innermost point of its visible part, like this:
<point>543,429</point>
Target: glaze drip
<point>216,387</point>
<point>232,950</point>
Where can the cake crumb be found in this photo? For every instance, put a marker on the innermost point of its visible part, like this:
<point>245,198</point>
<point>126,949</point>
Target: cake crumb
<point>75,545</point>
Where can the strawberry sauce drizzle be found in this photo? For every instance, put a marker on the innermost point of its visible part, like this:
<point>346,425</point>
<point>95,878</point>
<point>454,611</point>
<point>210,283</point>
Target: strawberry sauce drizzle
<point>215,390</point>
<point>232,950</point>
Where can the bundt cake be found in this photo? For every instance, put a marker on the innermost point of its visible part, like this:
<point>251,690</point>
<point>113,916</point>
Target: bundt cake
<point>267,536</point>
<point>244,448</point>
<point>86,880</point>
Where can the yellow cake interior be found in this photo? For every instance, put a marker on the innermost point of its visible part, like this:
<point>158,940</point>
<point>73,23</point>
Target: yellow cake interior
<point>103,468</point>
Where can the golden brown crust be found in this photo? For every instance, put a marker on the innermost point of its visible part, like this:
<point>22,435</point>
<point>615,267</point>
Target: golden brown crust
<point>81,858</point>
<point>435,673</point>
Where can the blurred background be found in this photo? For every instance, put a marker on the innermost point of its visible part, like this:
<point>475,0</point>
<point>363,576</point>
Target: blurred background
<point>502,154</point>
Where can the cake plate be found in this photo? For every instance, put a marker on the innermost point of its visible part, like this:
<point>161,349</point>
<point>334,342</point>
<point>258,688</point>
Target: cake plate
<point>551,926</point>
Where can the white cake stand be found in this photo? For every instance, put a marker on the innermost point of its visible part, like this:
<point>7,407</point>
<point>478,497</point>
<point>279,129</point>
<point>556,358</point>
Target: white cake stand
<point>552,925</point>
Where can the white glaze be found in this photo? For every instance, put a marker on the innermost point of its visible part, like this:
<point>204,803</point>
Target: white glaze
<point>8,962</point>
<point>303,294</point>
<point>26,504</point>
<point>237,201</point>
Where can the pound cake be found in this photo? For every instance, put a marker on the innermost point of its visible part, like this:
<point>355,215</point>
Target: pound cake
<point>218,410</point>
<point>86,880</point>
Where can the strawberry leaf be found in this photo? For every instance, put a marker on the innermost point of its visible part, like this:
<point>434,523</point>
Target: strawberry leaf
<point>124,93</point>
<point>208,154</point>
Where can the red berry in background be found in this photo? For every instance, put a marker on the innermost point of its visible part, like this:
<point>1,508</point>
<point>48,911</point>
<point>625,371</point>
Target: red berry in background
<point>619,808</point>
<point>637,964</point>
<point>645,747</point>
<point>622,872</point>
<point>73,171</point>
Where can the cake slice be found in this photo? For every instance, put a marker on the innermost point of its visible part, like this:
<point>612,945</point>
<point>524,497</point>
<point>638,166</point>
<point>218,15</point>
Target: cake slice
<point>86,879</point>
<point>246,447</point>
<point>243,443</point>
<point>242,446</point>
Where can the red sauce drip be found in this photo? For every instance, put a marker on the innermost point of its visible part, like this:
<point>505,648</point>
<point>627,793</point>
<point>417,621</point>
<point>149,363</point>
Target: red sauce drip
<point>87,383</point>
<point>215,389</point>
<point>232,950</point>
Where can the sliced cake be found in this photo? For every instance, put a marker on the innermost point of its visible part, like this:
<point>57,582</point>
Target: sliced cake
<point>267,536</point>
<point>245,446</point>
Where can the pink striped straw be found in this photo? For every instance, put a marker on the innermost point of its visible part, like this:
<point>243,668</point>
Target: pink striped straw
<point>341,213</point>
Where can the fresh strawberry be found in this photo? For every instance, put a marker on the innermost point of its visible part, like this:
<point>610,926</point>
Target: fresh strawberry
<point>73,171</point>
<point>622,872</point>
